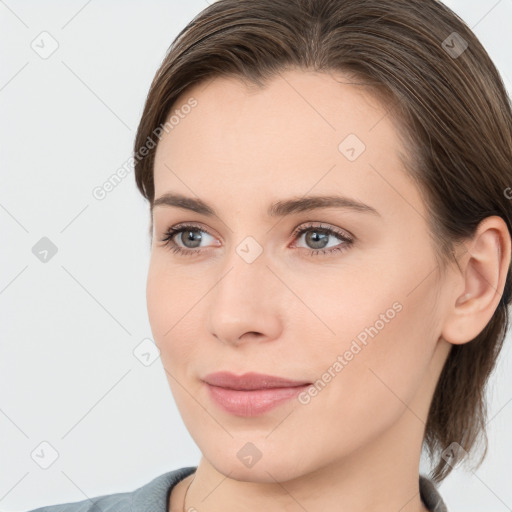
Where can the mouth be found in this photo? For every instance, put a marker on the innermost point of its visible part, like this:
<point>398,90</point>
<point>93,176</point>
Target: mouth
<point>251,394</point>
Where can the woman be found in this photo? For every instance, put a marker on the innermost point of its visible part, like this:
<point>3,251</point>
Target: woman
<point>329,188</point>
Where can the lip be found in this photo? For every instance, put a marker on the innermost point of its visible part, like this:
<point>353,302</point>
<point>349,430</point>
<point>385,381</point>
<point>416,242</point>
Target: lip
<point>251,394</point>
<point>250,381</point>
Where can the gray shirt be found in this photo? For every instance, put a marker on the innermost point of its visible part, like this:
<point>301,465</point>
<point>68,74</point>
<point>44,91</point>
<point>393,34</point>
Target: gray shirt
<point>154,497</point>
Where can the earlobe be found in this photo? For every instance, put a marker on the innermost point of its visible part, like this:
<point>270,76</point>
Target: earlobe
<point>483,274</point>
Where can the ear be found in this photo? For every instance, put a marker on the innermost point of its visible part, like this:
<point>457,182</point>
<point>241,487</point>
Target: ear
<point>484,270</point>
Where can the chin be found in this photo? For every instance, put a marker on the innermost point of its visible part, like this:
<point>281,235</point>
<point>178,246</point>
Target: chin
<point>270,462</point>
<point>262,472</point>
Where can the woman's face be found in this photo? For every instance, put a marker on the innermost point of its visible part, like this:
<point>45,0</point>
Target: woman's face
<point>355,308</point>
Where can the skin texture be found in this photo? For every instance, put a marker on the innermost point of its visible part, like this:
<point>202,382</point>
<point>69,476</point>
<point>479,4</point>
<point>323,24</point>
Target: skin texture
<point>356,445</point>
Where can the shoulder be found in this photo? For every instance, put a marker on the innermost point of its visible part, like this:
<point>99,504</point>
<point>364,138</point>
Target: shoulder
<point>150,497</point>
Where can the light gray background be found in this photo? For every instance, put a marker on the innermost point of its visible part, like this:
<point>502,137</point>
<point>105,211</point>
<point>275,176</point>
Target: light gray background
<point>68,374</point>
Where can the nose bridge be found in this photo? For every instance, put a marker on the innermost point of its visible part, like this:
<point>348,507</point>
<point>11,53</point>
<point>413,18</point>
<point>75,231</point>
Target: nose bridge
<point>245,298</point>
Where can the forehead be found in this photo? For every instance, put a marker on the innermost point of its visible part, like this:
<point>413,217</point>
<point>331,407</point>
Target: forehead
<point>327,106</point>
<point>301,130</point>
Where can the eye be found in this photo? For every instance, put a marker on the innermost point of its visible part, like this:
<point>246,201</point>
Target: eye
<point>318,238</point>
<point>185,239</point>
<point>190,236</point>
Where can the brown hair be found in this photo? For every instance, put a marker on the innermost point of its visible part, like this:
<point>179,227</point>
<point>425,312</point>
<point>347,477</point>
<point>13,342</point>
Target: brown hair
<point>450,107</point>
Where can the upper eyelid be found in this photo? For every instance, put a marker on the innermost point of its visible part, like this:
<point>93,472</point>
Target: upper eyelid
<point>333,230</point>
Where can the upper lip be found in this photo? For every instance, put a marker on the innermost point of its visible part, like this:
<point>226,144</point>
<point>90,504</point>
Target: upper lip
<point>250,380</point>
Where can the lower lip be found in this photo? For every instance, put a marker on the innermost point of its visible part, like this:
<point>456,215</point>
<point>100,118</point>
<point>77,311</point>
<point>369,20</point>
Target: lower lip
<point>254,402</point>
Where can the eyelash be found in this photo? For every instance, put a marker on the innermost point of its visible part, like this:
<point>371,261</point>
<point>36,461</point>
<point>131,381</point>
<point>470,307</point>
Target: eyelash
<point>180,228</point>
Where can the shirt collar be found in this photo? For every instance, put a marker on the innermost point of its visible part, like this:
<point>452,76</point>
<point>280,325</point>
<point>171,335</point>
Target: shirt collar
<point>430,495</point>
<point>154,496</point>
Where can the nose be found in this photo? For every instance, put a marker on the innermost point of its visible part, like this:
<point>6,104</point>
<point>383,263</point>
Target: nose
<point>244,305</point>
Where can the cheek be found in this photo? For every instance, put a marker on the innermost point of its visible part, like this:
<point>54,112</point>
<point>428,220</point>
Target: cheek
<point>389,368</point>
<point>381,338</point>
<point>173,305</point>
<point>158,294</point>
<point>165,302</point>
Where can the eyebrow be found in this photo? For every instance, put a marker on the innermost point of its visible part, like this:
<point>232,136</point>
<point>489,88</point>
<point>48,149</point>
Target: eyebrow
<point>278,209</point>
